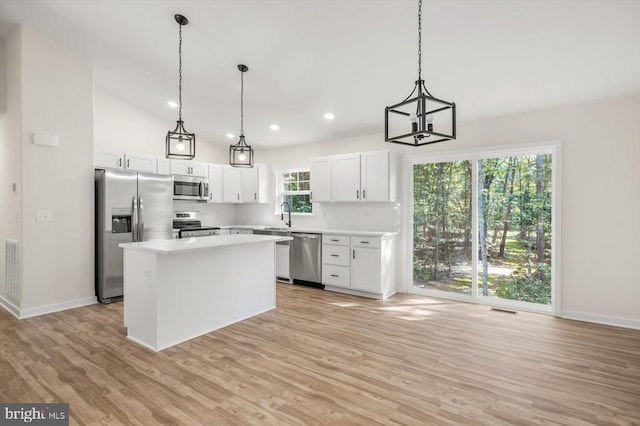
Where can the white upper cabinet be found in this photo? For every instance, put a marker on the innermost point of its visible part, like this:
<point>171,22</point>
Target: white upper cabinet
<point>108,160</point>
<point>125,161</point>
<point>141,163</point>
<point>366,176</point>
<point>246,185</point>
<point>189,168</point>
<point>215,183</point>
<point>231,184</point>
<point>345,177</point>
<point>321,179</point>
<point>374,176</point>
<point>164,166</point>
<point>250,184</point>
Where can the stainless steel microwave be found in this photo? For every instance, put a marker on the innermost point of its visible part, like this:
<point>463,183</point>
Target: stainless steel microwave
<point>190,188</point>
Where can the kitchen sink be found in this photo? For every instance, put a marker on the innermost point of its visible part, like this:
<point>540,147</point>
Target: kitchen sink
<point>273,231</point>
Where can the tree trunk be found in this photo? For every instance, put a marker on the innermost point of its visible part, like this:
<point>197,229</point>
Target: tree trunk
<point>513,161</point>
<point>436,209</point>
<point>481,230</point>
<point>539,210</point>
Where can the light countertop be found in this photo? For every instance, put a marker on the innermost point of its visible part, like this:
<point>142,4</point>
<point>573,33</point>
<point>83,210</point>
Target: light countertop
<point>199,243</point>
<point>321,231</point>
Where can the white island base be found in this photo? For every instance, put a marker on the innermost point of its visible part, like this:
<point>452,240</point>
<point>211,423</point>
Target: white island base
<point>175,290</point>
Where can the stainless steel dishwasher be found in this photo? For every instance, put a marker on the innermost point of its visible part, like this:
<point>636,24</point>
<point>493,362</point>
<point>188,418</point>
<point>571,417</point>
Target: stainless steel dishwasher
<point>306,259</point>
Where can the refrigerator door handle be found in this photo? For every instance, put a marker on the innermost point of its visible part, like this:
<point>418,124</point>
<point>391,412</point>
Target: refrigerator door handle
<point>134,217</point>
<point>140,220</point>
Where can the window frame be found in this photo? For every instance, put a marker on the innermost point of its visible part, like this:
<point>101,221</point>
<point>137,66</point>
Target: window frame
<point>281,193</point>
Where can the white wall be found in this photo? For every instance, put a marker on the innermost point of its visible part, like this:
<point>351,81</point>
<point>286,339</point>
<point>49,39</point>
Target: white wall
<point>50,91</point>
<point>600,196</point>
<point>10,151</point>
<point>121,126</point>
<point>57,99</point>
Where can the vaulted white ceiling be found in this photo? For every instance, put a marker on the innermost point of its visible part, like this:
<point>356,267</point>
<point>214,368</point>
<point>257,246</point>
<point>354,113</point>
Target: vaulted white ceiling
<point>349,57</point>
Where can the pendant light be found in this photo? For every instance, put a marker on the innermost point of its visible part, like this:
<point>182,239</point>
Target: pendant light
<point>420,119</point>
<point>241,154</point>
<point>180,143</point>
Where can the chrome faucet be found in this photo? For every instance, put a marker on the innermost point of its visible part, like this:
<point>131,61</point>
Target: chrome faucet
<point>282,213</point>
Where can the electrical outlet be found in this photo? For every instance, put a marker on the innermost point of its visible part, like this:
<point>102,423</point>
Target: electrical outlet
<point>43,216</point>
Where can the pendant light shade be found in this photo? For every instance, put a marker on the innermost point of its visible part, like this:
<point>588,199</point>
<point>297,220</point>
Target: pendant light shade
<point>241,154</point>
<point>421,118</point>
<point>179,142</point>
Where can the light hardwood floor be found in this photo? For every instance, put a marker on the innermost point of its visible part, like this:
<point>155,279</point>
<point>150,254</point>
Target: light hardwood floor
<point>325,358</point>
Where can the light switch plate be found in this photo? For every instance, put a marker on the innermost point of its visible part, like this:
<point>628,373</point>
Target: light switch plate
<point>43,216</point>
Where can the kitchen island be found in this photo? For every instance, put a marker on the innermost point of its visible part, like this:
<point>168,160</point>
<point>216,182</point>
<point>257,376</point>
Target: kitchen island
<point>175,290</point>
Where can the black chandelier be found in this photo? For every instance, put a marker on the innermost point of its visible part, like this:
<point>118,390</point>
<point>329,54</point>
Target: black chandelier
<point>241,154</point>
<point>420,119</point>
<point>180,143</point>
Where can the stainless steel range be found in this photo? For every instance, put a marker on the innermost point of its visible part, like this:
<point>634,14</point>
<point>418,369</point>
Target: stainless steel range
<point>189,225</point>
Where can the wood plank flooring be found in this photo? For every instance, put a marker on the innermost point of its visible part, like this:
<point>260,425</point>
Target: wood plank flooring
<point>326,358</point>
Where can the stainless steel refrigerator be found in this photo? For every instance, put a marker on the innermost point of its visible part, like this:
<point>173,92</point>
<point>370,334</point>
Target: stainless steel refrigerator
<point>129,207</point>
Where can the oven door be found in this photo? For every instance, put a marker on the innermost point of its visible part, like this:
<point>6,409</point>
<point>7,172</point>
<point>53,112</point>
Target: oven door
<point>190,188</point>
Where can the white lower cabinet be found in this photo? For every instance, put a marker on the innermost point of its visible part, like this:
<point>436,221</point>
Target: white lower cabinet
<point>359,265</point>
<point>282,261</point>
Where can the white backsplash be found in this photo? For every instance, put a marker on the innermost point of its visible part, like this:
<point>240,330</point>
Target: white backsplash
<point>343,216</point>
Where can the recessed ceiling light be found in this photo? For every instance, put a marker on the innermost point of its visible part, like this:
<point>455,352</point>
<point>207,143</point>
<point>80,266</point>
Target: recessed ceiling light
<point>274,127</point>
<point>329,116</point>
<point>230,135</point>
<point>172,104</point>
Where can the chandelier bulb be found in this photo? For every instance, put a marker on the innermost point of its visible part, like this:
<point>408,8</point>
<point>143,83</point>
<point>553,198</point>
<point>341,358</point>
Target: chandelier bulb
<point>241,157</point>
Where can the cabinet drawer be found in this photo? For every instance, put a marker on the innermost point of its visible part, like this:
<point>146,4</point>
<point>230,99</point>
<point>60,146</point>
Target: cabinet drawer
<point>365,242</point>
<point>335,275</point>
<point>339,240</point>
<point>335,255</point>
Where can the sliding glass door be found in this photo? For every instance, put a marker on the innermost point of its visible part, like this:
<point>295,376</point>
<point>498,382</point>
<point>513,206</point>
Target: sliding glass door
<point>442,231</point>
<point>483,228</point>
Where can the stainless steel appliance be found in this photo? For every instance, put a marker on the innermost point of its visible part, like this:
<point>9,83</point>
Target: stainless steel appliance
<point>190,188</point>
<point>190,225</point>
<point>129,206</point>
<point>306,259</point>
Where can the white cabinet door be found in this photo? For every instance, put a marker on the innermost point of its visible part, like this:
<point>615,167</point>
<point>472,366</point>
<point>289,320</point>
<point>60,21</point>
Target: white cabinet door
<point>231,185</point>
<point>374,179</point>
<point>181,167</point>
<point>321,179</point>
<point>108,160</point>
<point>345,177</point>
<point>365,269</point>
<point>199,169</point>
<point>141,163</point>
<point>215,183</point>
<point>282,261</point>
<point>250,185</point>
<point>164,166</point>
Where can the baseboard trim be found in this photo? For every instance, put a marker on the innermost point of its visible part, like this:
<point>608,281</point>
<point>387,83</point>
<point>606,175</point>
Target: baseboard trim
<point>10,307</point>
<point>57,307</point>
<point>602,319</point>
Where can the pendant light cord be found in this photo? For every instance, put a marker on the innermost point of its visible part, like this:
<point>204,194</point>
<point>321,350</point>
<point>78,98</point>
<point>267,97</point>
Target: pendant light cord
<point>242,102</point>
<point>180,72</point>
<point>419,39</point>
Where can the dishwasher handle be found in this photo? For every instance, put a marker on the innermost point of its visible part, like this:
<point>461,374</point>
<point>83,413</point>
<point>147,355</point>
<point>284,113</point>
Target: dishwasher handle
<point>306,236</point>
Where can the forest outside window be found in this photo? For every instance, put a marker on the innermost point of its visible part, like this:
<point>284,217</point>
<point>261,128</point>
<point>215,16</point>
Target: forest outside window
<point>294,187</point>
<point>482,227</point>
